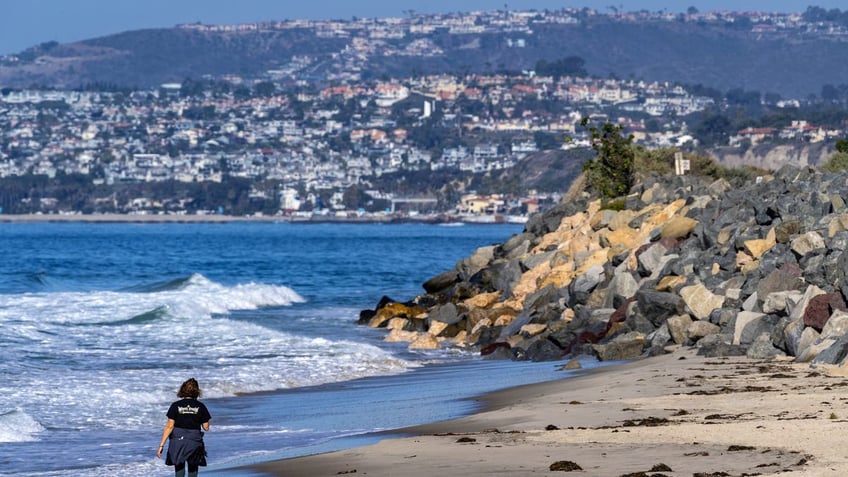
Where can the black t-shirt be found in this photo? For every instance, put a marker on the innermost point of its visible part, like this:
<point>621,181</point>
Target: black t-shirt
<point>188,413</point>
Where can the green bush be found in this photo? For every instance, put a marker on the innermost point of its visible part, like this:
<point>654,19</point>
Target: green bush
<point>610,173</point>
<point>837,162</point>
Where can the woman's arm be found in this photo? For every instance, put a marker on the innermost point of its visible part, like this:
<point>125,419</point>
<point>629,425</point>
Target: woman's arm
<point>169,426</point>
<point>205,426</point>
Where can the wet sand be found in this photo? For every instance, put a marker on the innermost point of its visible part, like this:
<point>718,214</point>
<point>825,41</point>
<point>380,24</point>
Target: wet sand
<point>673,415</point>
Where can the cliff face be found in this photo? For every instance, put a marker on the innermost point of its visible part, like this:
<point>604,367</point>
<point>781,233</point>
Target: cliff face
<point>754,269</point>
<point>771,157</point>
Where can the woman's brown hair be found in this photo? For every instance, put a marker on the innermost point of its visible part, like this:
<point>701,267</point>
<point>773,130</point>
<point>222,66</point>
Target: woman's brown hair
<point>189,389</point>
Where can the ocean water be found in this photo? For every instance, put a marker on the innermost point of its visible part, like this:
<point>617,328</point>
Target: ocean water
<point>100,323</point>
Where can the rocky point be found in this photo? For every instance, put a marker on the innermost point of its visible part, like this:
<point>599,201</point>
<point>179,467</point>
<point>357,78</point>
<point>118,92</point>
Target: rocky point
<point>754,268</point>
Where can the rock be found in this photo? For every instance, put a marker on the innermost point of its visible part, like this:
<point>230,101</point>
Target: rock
<point>836,326</point>
<point>572,364</point>
<point>743,319</point>
<point>393,310</point>
<point>483,300</point>
<point>700,329</point>
<point>765,324</point>
<point>669,282</point>
<point>785,278</point>
<point>700,300</point>
<point>650,258</point>
<point>658,306</point>
<point>677,326</point>
<point>779,302</point>
<point>678,227</point>
<point>762,348</point>
<point>807,243</point>
<point>660,337</point>
<point>400,335</point>
<point>441,281</point>
<point>833,354</point>
<point>818,311</point>
<point>622,287</point>
<point>544,350</point>
<point>518,241</point>
<point>437,328</point>
<point>798,311</point>
<point>532,329</point>
<point>757,247</point>
<point>719,349</point>
<point>792,335</point>
<point>425,341</point>
<point>472,265</point>
<point>837,224</point>
<point>446,313</point>
<point>564,466</point>
<point>786,229</point>
<point>628,346</point>
<point>810,352</point>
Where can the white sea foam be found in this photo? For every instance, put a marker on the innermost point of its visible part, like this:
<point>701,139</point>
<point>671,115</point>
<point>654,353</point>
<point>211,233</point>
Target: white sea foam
<point>18,426</point>
<point>121,355</point>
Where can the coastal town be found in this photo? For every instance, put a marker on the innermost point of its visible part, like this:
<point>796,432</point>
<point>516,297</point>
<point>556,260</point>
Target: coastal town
<point>318,147</point>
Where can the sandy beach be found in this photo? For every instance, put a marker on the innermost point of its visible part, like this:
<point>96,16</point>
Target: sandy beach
<point>673,415</point>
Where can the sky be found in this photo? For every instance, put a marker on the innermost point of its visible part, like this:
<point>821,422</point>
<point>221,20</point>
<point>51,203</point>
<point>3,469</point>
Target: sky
<point>25,23</point>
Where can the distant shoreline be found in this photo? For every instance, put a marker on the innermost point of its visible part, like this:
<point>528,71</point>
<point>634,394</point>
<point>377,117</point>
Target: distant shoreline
<point>214,218</point>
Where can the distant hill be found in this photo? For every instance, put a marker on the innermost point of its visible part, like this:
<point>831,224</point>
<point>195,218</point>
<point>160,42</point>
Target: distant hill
<point>716,55</point>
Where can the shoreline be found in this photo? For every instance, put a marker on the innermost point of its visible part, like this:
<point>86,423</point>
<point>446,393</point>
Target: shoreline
<point>214,218</point>
<point>678,411</point>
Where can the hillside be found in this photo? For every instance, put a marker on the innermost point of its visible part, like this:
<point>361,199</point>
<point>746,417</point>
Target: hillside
<point>714,54</point>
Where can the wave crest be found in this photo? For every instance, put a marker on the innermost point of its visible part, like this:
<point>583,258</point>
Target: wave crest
<point>18,426</point>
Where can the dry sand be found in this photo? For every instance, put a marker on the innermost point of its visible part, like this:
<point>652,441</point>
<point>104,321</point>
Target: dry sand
<point>695,416</point>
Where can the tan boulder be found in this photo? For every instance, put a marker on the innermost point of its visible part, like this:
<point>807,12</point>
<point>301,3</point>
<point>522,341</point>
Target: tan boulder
<point>624,237</point>
<point>532,329</point>
<point>750,267</point>
<point>677,326</point>
<point>527,284</point>
<point>678,227</point>
<point>660,215</point>
<point>621,220</point>
<point>514,341</point>
<point>461,339</point>
<point>395,310</point>
<point>397,324</point>
<point>757,247</point>
<point>484,323</point>
<point>837,224</point>
<point>701,328</point>
<point>601,219</point>
<point>504,320</point>
<point>483,300</point>
<point>807,243</point>
<point>700,300</point>
<point>724,235</point>
<point>425,341</point>
<point>669,283</point>
<point>401,336</point>
<point>437,327</point>
<point>743,259</point>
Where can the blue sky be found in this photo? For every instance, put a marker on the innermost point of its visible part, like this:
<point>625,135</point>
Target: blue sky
<point>24,23</point>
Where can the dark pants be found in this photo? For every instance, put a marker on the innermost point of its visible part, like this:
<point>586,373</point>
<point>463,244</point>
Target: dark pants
<point>179,470</point>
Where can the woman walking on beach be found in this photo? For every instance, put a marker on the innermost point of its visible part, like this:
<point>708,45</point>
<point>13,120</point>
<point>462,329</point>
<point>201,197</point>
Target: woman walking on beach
<point>186,418</point>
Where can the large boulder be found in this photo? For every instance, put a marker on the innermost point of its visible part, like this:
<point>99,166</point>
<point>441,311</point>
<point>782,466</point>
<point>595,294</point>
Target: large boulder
<point>624,347</point>
<point>700,300</point>
<point>441,281</point>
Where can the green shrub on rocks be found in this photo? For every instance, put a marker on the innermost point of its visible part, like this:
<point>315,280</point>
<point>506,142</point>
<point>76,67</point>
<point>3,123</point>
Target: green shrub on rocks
<point>837,162</point>
<point>610,173</point>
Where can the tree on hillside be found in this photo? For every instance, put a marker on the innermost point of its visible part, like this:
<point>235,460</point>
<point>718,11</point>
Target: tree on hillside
<point>610,173</point>
<point>570,66</point>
